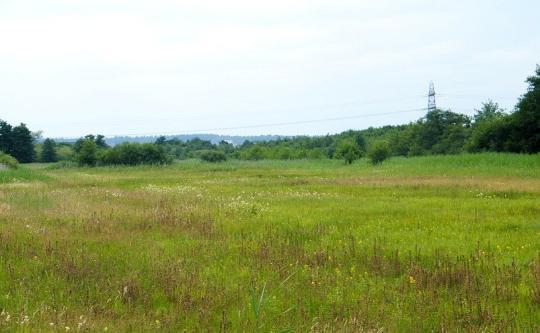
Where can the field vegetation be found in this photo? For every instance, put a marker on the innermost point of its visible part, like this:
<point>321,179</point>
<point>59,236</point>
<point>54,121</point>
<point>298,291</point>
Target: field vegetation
<point>434,243</point>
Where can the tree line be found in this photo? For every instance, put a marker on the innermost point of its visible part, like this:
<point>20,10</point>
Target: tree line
<point>438,132</point>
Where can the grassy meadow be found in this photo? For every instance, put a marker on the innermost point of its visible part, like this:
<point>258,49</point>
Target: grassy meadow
<point>444,243</point>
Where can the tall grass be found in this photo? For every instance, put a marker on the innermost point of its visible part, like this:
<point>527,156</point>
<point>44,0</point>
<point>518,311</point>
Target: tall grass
<point>21,174</point>
<point>422,244</point>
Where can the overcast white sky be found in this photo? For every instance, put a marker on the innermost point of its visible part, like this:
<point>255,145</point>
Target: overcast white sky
<point>71,67</point>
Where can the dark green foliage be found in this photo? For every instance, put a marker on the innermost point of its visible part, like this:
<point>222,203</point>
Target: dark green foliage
<point>6,141</point>
<point>360,143</point>
<point>22,144</point>
<point>526,120</point>
<point>87,153</point>
<point>225,147</point>
<point>17,141</point>
<point>490,111</point>
<point>48,151</point>
<point>186,149</point>
<point>99,140</point>
<point>8,161</point>
<point>213,156</point>
<point>254,153</point>
<point>161,140</point>
<point>134,154</point>
<point>492,135</point>
<point>379,152</point>
<point>348,150</point>
<point>443,132</point>
<point>518,132</point>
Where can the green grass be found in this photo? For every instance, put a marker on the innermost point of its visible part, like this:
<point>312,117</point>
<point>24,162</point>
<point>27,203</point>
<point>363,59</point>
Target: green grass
<point>20,175</point>
<point>445,243</point>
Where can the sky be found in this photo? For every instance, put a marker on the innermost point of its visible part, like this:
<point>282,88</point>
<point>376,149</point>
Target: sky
<point>249,67</point>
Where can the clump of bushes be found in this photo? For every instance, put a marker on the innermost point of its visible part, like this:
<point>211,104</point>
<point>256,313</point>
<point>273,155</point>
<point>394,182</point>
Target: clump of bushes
<point>212,156</point>
<point>8,161</point>
<point>89,153</point>
<point>379,152</point>
<point>86,153</point>
<point>134,154</point>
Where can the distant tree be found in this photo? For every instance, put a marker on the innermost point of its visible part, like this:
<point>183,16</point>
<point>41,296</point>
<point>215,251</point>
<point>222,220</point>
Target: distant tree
<point>246,144</point>
<point>100,141</point>
<point>225,147</point>
<point>348,150</point>
<point>526,119</point>
<point>492,135</point>
<point>87,154</point>
<point>406,141</point>
<point>360,143</point>
<point>518,132</point>
<point>6,142</point>
<point>439,124</point>
<point>48,151</point>
<point>161,140</point>
<point>491,129</point>
<point>379,152</point>
<point>22,144</point>
<point>488,112</point>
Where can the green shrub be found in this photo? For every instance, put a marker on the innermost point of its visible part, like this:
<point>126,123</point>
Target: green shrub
<point>212,156</point>
<point>64,152</point>
<point>255,153</point>
<point>379,152</point>
<point>348,150</point>
<point>8,161</point>
<point>134,154</point>
<point>87,153</point>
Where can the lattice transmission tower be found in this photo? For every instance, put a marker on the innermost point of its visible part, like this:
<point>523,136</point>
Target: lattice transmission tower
<point>432,105</point>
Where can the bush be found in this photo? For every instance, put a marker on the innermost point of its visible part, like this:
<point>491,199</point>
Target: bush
<point>348,150</point>
<point>379,152</point>
<point>87,153</point>
<point>8,161</point>
<point>64,152</point>
<point>212,156</point>
<point>255,153</point>
<point>134,154</point>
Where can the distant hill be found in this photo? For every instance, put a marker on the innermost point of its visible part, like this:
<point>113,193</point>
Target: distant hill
<point>214,138</point>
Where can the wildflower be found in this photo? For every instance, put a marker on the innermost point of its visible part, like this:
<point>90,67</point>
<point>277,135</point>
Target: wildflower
<point>412,280</point>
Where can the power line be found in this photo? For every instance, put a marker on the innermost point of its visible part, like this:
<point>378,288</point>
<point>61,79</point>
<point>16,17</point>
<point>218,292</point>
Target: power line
<point>311,121</point>
<point>277,124</point>
<point>323,107</point>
